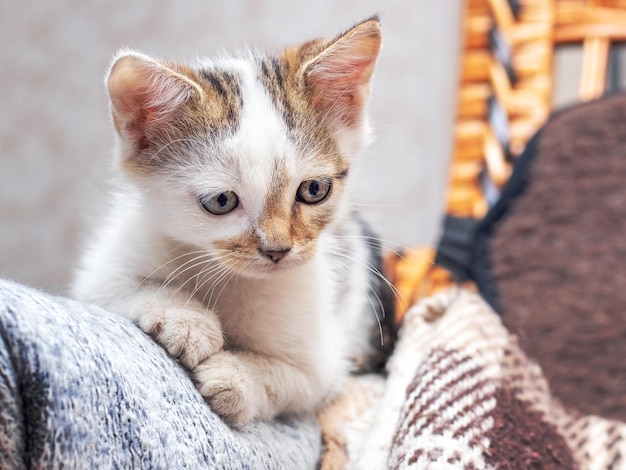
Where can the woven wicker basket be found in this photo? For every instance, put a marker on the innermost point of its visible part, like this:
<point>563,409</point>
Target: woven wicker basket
<point>504,96</point>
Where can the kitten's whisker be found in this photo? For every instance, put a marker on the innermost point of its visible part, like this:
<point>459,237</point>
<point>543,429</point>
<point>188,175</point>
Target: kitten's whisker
<point>225,272</point>
<point>378,321</point>
<point>189,279</point>
<point>243,265</point>
<point>163,180</point>
<point>162,266</point>
<point>393,126</point>
<point>380,303</point>
<point>215,271</point>
<point>376,242</point>
<point>200,254</point>
<point>370,153</point>
<point>211,268</point>
<point>371,204</point>
<point>401,253</point>
<point>205,273</point>
<point>218,270</point>
<point>175,173</point>
<point>371,268</point>
<point>217,274</point>
<point>171,275</point>
<point>206,257</point>
<point>149,276</point>
<point>172,142</point>
<point>397,294</point>
<point>331,109</point>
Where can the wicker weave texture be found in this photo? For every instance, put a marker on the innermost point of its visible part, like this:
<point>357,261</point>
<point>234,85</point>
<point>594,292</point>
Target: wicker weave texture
<point>504,96</point>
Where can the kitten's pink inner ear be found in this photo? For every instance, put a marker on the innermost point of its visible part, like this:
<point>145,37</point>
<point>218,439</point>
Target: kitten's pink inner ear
<point>339,76</point>
<point>145,95</point>
<point>125,83</point>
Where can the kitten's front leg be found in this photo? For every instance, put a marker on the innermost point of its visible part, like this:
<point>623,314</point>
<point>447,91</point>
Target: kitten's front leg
<point>242,386</point>
<point>182,326</point>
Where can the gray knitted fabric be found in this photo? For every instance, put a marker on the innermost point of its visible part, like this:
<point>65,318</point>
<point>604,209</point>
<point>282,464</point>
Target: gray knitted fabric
<point>83,388</point>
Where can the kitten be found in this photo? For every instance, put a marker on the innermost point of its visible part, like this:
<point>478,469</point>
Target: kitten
<point>233,243</point>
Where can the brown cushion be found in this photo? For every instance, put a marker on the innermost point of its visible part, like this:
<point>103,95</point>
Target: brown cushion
<point>551,255</point>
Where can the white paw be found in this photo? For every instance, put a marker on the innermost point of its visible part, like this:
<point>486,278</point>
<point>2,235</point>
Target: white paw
<point>187,334</point>
<point>223,382</point>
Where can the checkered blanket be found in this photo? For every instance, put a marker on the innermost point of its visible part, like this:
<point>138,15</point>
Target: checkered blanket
<point>462,394</point>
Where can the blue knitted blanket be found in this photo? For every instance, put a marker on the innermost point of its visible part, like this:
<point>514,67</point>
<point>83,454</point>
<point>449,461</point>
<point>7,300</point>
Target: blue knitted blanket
<point>83,388</point>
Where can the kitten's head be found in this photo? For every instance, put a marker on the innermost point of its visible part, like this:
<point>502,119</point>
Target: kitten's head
<point>246,157</point>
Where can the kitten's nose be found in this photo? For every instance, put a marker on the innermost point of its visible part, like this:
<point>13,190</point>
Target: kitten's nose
<point>276,254</point>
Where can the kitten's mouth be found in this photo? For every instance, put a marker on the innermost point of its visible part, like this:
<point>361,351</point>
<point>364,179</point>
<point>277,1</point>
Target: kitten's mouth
<point>270,266</point>
<point>258,262</point>
<point>262,265</point>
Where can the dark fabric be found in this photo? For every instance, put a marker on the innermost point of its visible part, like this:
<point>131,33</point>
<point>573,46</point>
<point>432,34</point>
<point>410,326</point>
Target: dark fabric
<point>454,251</point>
<point>551,255</point>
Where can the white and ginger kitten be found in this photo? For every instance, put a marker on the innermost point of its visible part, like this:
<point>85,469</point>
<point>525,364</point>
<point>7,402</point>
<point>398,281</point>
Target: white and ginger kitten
<point>232,241</point>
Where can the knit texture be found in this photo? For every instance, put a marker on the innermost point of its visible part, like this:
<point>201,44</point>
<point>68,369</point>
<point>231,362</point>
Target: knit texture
<point>83,388</point>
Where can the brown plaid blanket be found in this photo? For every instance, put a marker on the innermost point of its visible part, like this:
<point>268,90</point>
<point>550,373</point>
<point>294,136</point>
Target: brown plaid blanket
<point>461,393</point>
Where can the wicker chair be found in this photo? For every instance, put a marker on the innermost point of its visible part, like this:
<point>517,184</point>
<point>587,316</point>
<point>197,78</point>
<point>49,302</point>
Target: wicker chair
<point>504,96</point>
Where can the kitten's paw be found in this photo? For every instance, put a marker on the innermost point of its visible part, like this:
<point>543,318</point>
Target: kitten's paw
<point>226,386</point>
<point>189,335</point>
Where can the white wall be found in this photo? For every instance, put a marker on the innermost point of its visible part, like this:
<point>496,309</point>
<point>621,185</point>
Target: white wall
<point>55,134</point>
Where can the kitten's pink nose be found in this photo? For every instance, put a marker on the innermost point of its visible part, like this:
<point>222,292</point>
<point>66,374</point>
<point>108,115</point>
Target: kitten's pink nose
<point>275,255</point>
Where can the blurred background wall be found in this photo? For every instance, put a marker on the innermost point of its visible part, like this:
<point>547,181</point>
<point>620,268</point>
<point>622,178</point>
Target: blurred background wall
<point>56,137</point>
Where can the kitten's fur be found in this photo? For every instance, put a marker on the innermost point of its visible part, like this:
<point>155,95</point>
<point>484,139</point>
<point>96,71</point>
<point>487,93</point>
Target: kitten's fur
<point>265,304</point>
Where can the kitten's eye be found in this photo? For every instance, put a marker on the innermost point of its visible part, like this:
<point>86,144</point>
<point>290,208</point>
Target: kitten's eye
<point>221,204</point>
<point>313,191</point>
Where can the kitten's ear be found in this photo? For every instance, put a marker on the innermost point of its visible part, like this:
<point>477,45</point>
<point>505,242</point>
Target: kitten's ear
<point>340,74</point>
<point>146,95</point>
